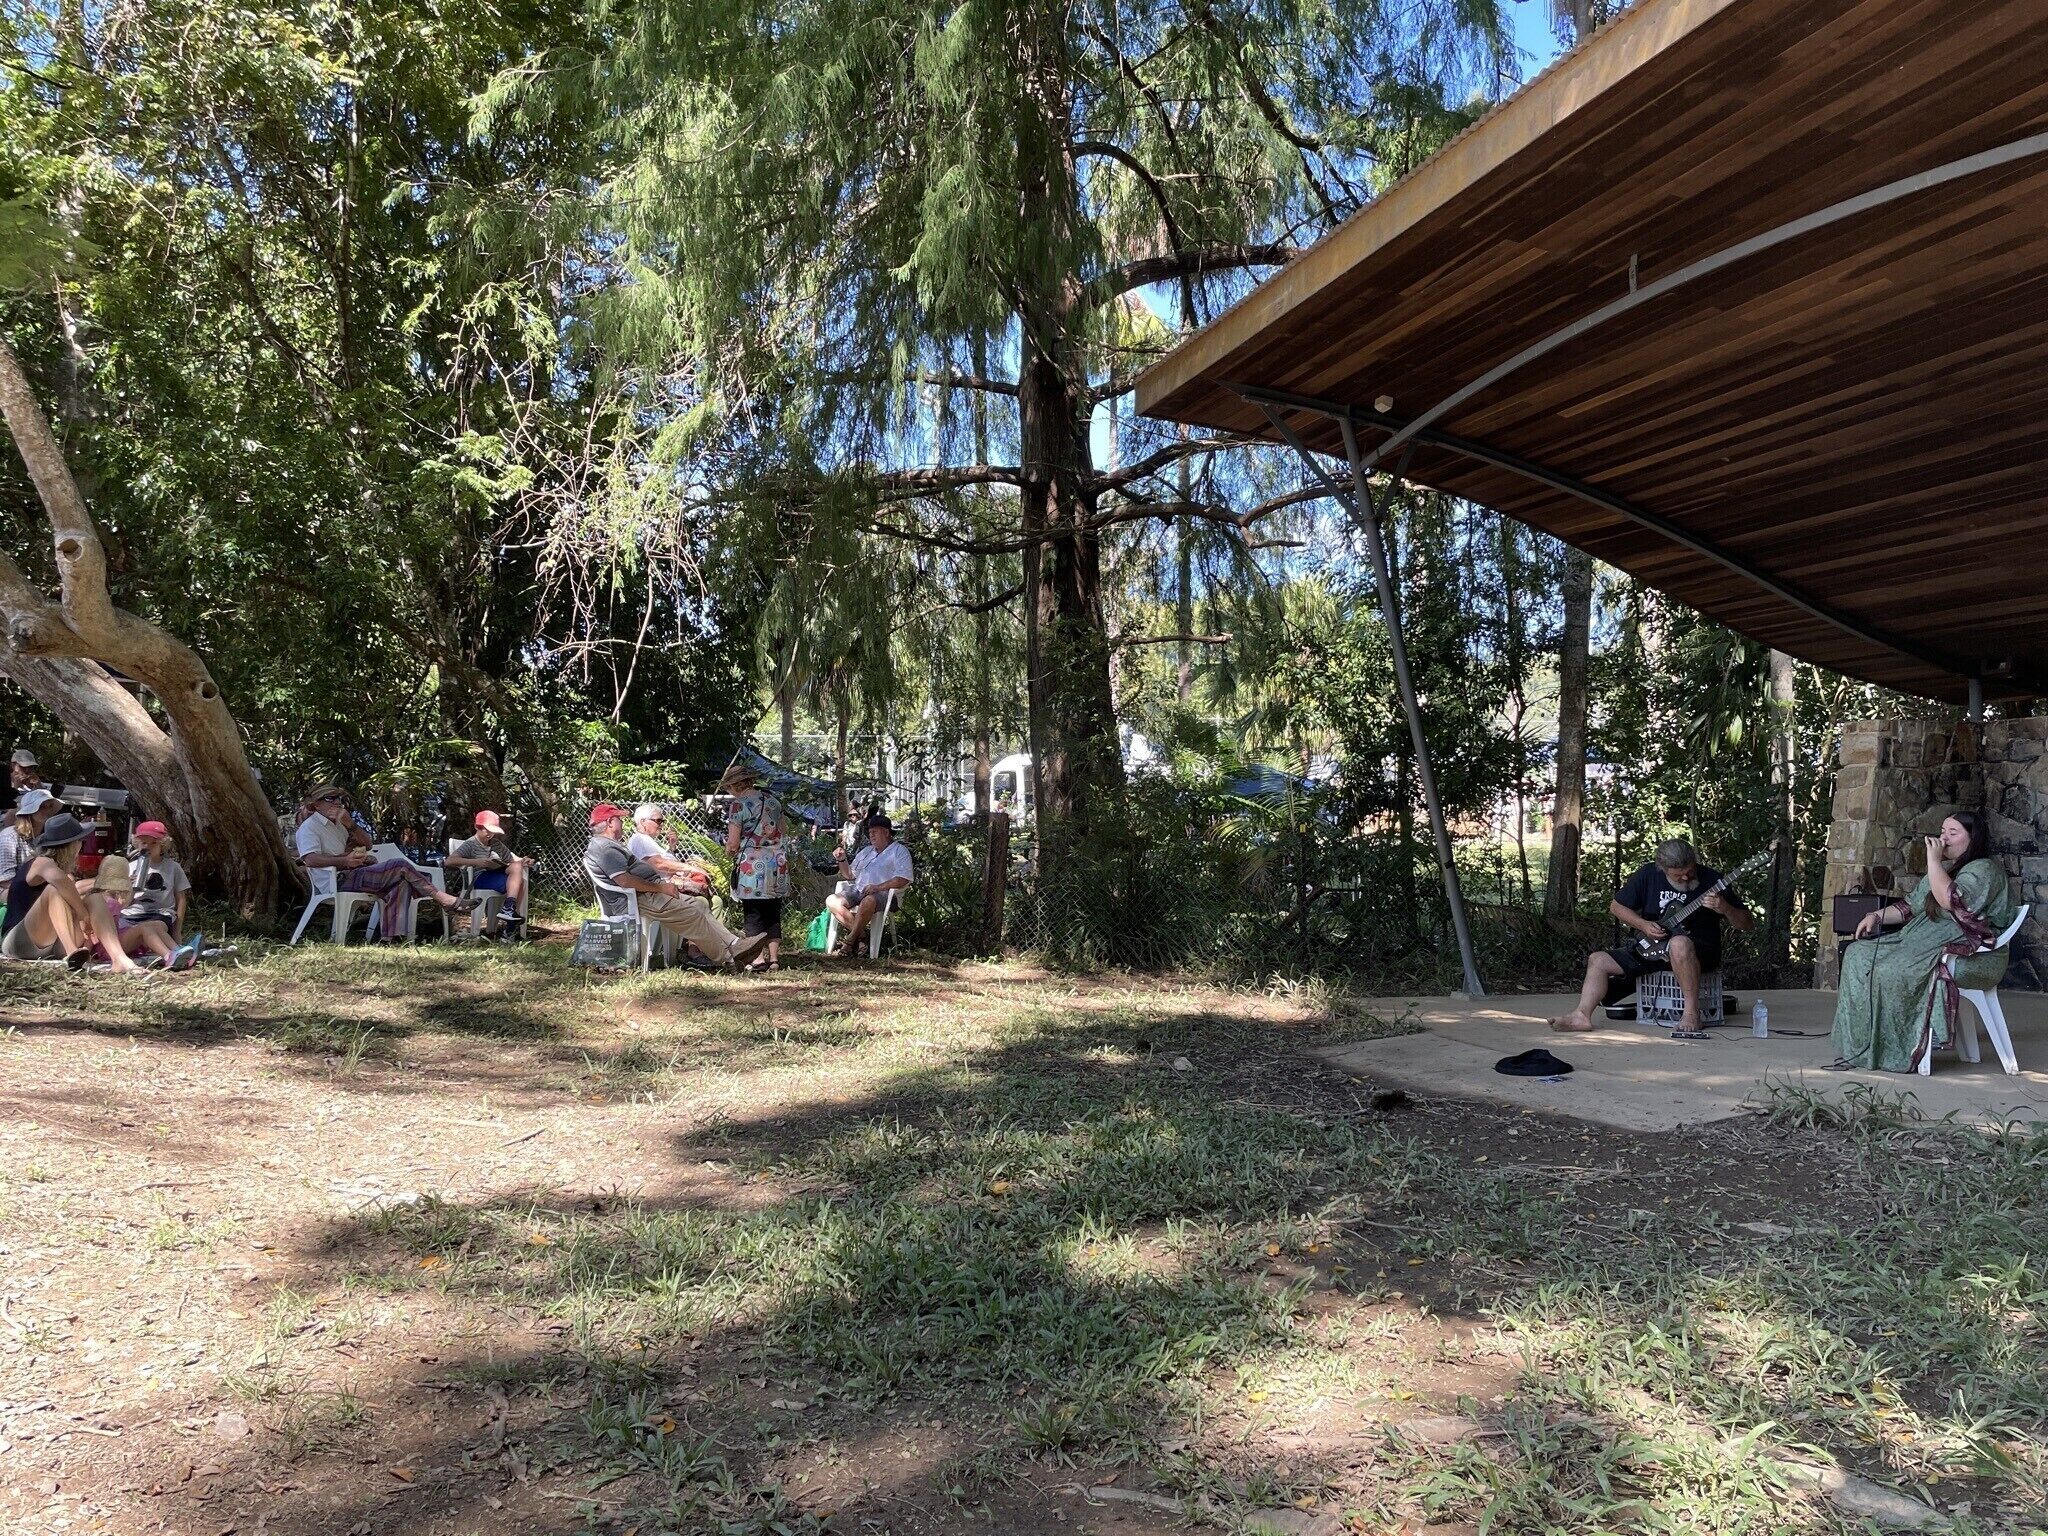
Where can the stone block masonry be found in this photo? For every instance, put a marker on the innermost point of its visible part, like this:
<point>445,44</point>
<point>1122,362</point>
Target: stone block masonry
<point>1894,782</point>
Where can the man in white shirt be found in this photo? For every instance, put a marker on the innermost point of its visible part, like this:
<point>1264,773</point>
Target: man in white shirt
<point>329,838</point>
<point>882,866</point>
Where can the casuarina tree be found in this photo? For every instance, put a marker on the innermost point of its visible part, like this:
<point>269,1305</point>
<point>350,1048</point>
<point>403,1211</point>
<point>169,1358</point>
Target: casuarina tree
<point>833,208</point>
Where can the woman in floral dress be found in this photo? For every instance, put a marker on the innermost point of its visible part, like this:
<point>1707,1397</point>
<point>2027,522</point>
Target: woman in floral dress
<point>760,859</point>
<point>1899,987</point>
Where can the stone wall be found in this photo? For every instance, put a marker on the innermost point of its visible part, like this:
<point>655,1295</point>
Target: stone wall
<point>1894,782</point>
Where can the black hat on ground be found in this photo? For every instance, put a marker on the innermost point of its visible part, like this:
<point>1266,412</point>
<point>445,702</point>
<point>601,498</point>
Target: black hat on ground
<point>1532,1063</point>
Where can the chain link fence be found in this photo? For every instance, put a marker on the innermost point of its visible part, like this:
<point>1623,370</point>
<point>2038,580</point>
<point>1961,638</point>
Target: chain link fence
<point>1192,883</point>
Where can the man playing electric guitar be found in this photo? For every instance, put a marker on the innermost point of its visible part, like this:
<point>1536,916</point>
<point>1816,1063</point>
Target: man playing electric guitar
<point>1689,945</point>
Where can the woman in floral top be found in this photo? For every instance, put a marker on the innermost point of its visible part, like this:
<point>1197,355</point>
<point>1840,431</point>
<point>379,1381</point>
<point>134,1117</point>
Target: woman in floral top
<point>760,860</point>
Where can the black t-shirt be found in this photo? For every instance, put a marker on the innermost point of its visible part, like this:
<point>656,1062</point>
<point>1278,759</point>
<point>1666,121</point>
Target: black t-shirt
<point>1648,894</point>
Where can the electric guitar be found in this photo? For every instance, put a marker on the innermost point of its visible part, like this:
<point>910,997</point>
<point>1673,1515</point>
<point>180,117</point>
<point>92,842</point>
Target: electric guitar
<point>1672,919</point>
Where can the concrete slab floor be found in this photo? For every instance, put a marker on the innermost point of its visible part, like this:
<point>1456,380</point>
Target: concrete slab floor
<point>1634,1077</point>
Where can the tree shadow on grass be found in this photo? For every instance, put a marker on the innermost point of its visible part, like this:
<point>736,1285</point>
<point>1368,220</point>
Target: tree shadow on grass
<point>1067,1246</point>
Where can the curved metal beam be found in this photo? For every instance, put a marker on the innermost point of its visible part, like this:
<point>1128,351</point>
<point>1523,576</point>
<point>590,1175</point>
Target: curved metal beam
<point>1834,213</point>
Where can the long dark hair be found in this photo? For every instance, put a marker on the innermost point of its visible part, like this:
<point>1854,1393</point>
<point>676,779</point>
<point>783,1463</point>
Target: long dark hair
<point>1978,825</point>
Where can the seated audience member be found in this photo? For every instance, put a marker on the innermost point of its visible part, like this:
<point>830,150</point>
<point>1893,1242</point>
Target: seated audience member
<point>57,921</point>
<point>111,889</point>
<point>24,774</point>
<point>684,913</point>
<point>883,865</point>
<point>329,838</point>
<point>650,828</point>
<point>493,866</point>
<point>18,841</point>
<point>161,888</point>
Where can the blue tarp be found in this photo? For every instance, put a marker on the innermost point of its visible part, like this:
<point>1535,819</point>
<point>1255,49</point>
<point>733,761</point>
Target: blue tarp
<point>1267,784</point>
<point>812,799</point>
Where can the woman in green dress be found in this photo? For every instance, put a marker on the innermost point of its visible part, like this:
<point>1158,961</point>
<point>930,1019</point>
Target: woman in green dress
<point>1899,1001</point>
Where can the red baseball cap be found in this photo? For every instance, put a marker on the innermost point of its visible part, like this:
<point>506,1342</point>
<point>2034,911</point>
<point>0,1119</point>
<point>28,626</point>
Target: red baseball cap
<point>152,829</point>
<point>600,814</point>
<point>489,819</point>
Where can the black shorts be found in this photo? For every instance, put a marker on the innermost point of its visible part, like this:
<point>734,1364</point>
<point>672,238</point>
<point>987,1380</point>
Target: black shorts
<point>763,917</point>
<point>1634,966</point>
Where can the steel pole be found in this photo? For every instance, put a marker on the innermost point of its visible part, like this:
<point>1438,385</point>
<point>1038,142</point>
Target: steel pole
<point>1358,505</point>
<point>1366,514</point>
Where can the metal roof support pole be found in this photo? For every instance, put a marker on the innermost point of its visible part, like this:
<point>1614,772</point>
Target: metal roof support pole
<point>1976,701</point>
<point>1364,511</point>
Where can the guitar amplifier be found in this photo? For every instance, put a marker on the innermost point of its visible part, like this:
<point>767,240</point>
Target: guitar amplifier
<point>1848,911</point>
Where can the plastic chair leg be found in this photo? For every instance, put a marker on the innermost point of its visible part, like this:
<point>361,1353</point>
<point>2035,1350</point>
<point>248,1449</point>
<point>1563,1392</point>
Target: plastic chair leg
<point>1966,1035</point>
<point>1993,1014</point>
<point>305,917</point>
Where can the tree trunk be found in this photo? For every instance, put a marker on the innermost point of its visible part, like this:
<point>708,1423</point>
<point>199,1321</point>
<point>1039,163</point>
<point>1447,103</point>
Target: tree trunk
<point>1076,764</point>
<point>785,700</point>
<point>1561,889</point>
<point>845,723</point>
<point>190,772</point>
<point>1784,850</point>
<point>984,692</point>
<point>1184,590</point>
<point>1077,768</point>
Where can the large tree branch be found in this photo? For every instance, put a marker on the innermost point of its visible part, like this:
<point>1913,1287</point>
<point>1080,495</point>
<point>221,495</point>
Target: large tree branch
<point>1164,458</point>
<point>1122,642</point>
<point>950,378</point>
<point>1195,261</point>
<point>196,770</point>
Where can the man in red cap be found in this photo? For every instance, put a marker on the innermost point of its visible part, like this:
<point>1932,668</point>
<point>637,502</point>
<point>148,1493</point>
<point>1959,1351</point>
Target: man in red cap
<point>161,889</point>
<point>494,866</point>
<point>682,913</point>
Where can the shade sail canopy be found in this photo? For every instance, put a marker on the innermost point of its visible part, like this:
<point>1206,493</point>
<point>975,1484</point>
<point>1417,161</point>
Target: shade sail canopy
<point>1835,440</point>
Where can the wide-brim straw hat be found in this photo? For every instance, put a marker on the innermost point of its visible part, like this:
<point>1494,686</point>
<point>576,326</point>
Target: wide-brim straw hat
<point>113,876</point>
<point>321,792</point>
<point>738,773</point>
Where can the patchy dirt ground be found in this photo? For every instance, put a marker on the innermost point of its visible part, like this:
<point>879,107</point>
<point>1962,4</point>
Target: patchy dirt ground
<point>404,1244</point>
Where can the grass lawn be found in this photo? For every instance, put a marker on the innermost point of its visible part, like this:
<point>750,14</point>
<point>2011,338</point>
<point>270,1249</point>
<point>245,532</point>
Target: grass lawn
<point>411,1241</point>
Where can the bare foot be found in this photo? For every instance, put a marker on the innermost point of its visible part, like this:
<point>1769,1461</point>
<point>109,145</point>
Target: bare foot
<point>1575,1023</point>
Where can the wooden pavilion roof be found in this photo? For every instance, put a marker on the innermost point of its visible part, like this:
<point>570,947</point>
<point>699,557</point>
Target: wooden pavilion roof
<point>1838,445</point>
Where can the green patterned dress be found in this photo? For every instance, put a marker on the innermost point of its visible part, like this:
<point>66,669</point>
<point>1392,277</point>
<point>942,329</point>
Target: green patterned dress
<point>1892,1008</point>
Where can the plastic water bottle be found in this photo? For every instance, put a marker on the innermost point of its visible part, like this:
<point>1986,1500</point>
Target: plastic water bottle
<point>1760,1020</point>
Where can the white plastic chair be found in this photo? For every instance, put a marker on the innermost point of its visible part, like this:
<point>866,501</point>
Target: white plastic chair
<point>345,904</point>
<point>1988,1009</point>
<point>882,915</point>
<point>488,903</point>
<point>629,906</point>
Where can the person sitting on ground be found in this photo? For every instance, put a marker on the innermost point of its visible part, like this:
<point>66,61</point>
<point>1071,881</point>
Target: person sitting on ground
<point>1694,950</point>
<point>493,866</point>
<point>112,888</point>
<point>1898,999</point>
<point>329,838</point>
<point>686,914</point>
<point>760,858</point>
<point>57,921</point>
<point>18,842</point>
<point>161,887</point>
<point>882,866</point>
